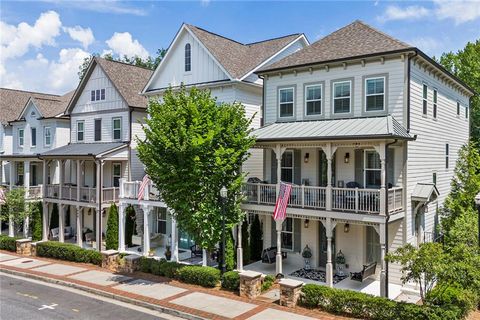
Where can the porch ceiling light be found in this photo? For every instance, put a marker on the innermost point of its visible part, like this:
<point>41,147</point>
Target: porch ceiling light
<point>306,223</point>
<point>347,157</point>
<point>346,228</point>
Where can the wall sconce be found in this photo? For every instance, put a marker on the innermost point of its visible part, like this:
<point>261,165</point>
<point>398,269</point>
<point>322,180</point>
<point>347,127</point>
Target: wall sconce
<point>89,212</point>
<point>346,227</point>
<point>306,158</point>
<point>306,223</point>
<point>347,157</point>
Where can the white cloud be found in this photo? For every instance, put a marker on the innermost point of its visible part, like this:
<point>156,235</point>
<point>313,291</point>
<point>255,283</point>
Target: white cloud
<point>205,3</point>
<point>460,11</point>
<point>103,6</point>
<point>82,35</point>
<point>16,41</point>
<point>407,13</point>
<point>122,44</point>
<point>429,45</point>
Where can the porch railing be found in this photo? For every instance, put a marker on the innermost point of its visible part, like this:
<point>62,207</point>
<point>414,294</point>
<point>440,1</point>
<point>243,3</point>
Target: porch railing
<point>130,190</point>
<point>88,194</point>
<point>53,191</point>
<point>35,192</point>
<point>110,194</point>
<point>69,193</point>
<point>356,200</point>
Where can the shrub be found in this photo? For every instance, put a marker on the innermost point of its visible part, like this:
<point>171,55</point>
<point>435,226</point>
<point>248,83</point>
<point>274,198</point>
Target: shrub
<point>36,222</point>
<point>8,243</point>
<point>230,252</point>
<point>111,241</point>
<point>145,264</point>
<point>203,276</point>
<point>231,280</point>
<point>454,298</point>
<point>365,306</point>
<point>68,252</point>
<point>268,281</point>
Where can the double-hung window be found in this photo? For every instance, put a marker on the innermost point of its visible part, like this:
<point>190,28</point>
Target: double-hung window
<point>375,94</point>
<point>435,99</point>
<point>466,112</point>
<point>372,169</point>
<point>162,220</point>
<point>286,102</point>
<point>116,174</point>
<point>48,136</point>
<point>117,128</point>
<point>425,101</point>
<point>188,57</point>
<point>21,137</point>
<point>447,155</point>
<point>458,108</point>
<point>80,131</point>
<point>34,136</point>
<point>342,96</point>
<point>20,173</point>
<point>98,129</point>
<point>287,234</point>
<point>97,95</point>
<point>287,166</point>
<point>313,100</point>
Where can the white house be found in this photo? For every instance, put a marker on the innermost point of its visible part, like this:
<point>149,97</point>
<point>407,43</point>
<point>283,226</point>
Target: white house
<point>202,59</point>
<point>367,129</point>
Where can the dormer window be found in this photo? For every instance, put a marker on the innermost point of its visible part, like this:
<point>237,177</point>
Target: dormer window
<point>97,95</point>
<point>188,57</point>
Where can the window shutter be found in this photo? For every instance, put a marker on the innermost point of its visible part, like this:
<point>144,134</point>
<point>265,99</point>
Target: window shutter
<point>274,233</point>
<point>359,167</point>
<point>297,238</point>
<point>98,129</point>
<point>297,166</point>
<point>273,172</point>
<point>391,166</point>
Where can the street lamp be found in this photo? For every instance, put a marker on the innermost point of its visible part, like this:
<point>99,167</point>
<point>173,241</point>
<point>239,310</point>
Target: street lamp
<point>223,196</point>
<point>477,202</point>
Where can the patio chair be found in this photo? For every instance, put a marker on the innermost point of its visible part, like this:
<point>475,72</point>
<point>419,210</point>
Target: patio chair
<point>89,237</point>
<point>68,232</point>
<point>54,233</point>
<point>196,251</point>
<point>269,255</point>
<point>367,271</point>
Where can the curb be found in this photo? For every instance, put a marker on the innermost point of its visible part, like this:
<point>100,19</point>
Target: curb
<point>102,293</point>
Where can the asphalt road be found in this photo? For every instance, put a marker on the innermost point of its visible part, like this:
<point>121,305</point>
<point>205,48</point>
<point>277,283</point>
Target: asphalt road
<point>24,299</point>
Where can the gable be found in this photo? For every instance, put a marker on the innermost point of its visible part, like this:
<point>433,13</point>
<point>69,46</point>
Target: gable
<point>171,72</point>
<point>98,80</point>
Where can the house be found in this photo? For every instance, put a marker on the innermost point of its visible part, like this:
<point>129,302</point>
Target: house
<point>367,130</point>
<point>32,123</point>
<point>104,113</point>
<point>202,59</point>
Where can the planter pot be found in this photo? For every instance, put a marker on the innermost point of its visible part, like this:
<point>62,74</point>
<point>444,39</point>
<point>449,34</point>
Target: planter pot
<point>168,256</point>
<point>340,269</point>
<point>307,264</point>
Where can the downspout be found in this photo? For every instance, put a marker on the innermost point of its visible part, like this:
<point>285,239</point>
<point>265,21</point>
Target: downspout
<point>386,213</point>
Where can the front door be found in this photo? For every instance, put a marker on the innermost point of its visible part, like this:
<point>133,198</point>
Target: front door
<point>34,174</point>
<point>323,246</point>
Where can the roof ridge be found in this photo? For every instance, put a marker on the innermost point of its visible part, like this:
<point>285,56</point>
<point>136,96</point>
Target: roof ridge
<point>276,38</point>
<point>381,32</point>
<point>215,34</point>
<point>124,63</point>
<point>35,92</point>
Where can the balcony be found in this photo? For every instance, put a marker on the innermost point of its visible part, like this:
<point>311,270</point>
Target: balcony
<point>32,192</point>
<point>87,194</point>
<point>130,191</point>
<point>352,200</point>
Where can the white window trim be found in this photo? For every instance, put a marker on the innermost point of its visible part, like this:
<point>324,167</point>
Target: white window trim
<point>349,97</point>
<point>99,95</point>
<point>424,99</point>
<point>113,128</point>
<point>159,214</point>
<point>31,137</point>
<point>280,103</point>
<point>459,109</point>
<point>314,100</point>
<point>21,138</point>
<point>45,136</point>
<point>83,130</point>
<point>289,232</point>
<point>292,167</point>
<point>113,172</point>
<point>435,104</point>
<point>365,168</point>
<point>375,94</point>
<point>189,57</point>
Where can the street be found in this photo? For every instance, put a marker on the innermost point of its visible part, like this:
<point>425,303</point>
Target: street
<point>29,299</point>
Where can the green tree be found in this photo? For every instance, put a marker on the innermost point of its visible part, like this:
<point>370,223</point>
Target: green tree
<point>129,225</point>
<point>149,62</point>
<point>193,147</point>
<point>230,252</point>
<point>54,218</point>
<point>111,241</point>
<point>245,241</point>
<point>465,64</point>
<point>256,239</point>
<point>15,208</point>
<point>36,221</point>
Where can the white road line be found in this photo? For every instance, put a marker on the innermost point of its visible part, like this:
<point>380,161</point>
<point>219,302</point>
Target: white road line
<point>52,307</point>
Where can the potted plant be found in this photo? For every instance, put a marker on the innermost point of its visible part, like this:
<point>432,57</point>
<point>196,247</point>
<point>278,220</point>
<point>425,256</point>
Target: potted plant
<point>307,255</point>
<point>340,260</point>
<point>168,253</point>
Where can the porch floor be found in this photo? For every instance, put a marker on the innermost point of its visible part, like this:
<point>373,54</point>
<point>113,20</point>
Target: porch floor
<point>370,285</point>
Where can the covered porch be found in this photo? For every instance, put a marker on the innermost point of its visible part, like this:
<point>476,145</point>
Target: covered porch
<point>25,171</point>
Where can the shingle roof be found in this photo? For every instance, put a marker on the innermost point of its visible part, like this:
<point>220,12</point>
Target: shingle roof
<point>84,149</point>
<point>424,191</point>
<point>237,58</point>
<point>355,39</point>
<point>12,103</point>
<point>128,79</point>
<point>353,128</point>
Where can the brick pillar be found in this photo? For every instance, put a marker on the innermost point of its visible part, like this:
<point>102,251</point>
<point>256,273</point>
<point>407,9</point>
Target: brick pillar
<point>250,284</point>
<point>290,292</point>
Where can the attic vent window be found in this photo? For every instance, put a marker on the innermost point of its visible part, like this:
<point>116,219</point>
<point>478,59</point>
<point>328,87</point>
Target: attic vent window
<point>32,114</point>
<point>188,57</point>
<point>97,95</point>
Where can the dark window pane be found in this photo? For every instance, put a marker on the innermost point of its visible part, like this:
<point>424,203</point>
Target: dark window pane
<point>373,178</point>
<point>375,103</point>
<point>92,95</point>
<point>102,94</point>
<point>425,109</point>
<point>97,95</point>
<point>34,136</point>
<point>314,107</point>
<point>98,129</point>
<point>286,110</point>
<point>287,175</point>
<point>342,105</point>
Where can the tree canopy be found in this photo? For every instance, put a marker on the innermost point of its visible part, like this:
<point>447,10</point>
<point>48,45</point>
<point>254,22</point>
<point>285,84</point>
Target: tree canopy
<point>193,147</point>
<point>149,62</point>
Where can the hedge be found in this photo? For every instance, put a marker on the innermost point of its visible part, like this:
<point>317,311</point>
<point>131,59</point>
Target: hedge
<point>365,306</point>
<point>68,252</point>
<point>231,280</point>
<point>203,276</point>
<point>8,243</point>
<point>160,267</point>
<point>454,298</point>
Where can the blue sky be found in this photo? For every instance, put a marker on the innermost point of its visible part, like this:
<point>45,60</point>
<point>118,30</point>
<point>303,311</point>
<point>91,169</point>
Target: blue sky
<point>43,42</point>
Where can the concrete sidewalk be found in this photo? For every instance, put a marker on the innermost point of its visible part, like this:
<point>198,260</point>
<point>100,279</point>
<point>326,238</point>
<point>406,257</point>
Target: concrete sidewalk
<point>169,296</point>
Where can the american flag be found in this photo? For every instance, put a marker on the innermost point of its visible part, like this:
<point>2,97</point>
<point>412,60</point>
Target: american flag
<point>141,190</point>
<point>2,196</point>
<point>280,211</point>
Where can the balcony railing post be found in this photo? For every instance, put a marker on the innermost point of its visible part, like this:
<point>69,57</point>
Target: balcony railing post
<point>303,196</point>
<point>258,193</point>
<point>122,186</point>
<point>356,200</point>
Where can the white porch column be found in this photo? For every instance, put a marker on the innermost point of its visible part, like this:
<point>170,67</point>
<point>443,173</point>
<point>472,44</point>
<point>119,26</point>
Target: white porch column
<point>61,223</point>
<point>279,150</point>
<point>329,225</point>
<point>383,196</point>
<point>13,168</point>
<point>61,175</point>
<point>380,228</point>
<point>26,178</point>
<point>278,258</point>
<point>45,178</point>
<point>79,173</point>
<point>79,226</point>
<point>329,151</point>
<point>121,227</point>
<point>98,216</point>
<point>146,229</point>
<point>11,227</point>
<point>174,240</point>
<point>204,258</point>
<point>45,220</point>
<point>239,247</point>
